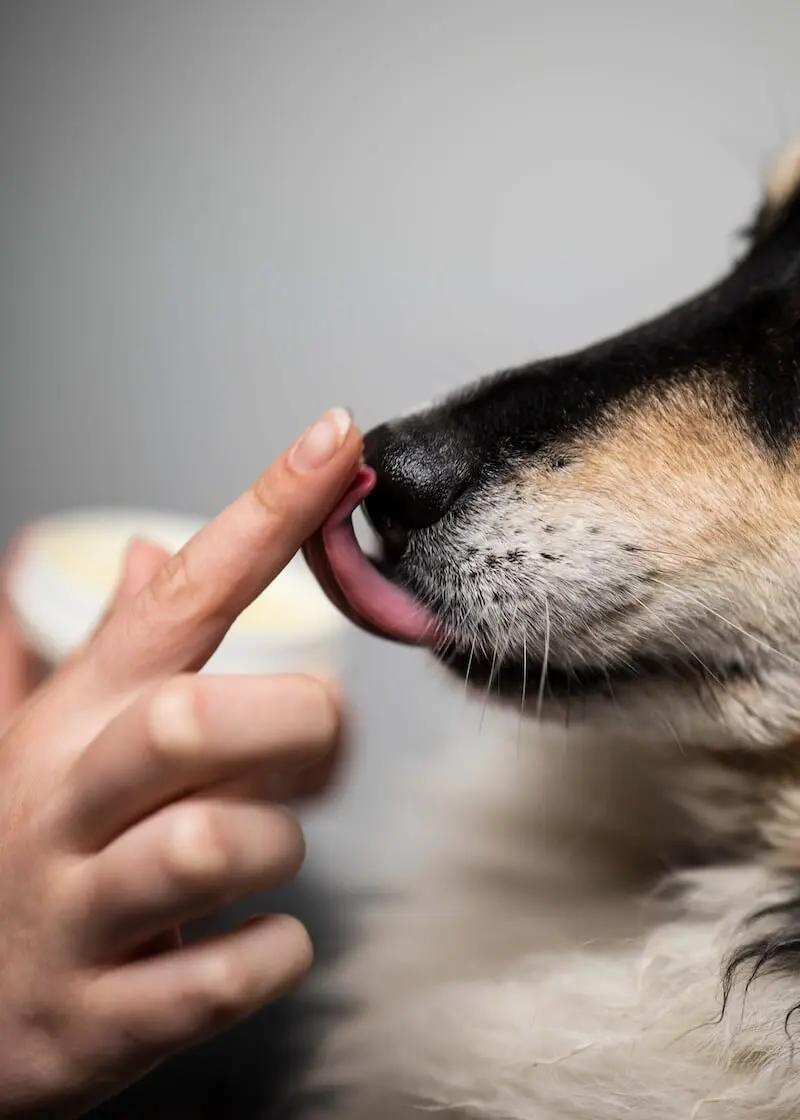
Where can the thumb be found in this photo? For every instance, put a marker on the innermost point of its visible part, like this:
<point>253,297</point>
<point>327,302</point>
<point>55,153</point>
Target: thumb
<point>17,665</point>
<point>140,563</point>
<point>142,560</point>
<point>19,669</point>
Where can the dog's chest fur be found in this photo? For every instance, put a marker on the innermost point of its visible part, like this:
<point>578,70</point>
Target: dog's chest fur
<point>540,961</point>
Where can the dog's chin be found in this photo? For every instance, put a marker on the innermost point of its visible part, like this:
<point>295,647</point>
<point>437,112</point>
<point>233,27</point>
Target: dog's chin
<point>551,690</point>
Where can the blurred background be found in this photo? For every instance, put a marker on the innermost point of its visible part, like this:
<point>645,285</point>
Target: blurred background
<point>219,217</point>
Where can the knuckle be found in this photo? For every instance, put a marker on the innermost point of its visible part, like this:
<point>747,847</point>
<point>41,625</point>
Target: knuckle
<point>174,717</point>
<point>197,850</point>
<point>142,1039</point>
<point>269,494</point>
<point>225,990</point>
<point>66,884</point>
<point>173,580</point>
<point>229,987</point>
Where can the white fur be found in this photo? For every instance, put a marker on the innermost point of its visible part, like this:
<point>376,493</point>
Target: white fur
<point>526,969</point>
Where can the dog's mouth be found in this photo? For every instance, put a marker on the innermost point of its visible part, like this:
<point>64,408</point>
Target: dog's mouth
<point>354,583</point>
<point>361,589</point>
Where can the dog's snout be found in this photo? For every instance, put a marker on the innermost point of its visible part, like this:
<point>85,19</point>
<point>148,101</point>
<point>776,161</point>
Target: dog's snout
<point>421,473</point>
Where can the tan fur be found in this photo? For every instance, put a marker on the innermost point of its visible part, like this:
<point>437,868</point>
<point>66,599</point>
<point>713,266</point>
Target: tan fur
<point>784,177</point>
<point>679,464</point>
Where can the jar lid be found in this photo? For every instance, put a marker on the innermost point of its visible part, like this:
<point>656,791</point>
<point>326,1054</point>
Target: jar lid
<point>68,566</point>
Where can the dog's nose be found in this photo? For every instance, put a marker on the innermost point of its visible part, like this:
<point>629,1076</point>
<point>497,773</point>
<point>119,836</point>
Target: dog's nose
<point>421,473</point>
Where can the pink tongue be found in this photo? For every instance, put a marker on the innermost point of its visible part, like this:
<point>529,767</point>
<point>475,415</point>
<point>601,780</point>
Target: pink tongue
<point>354,586</point>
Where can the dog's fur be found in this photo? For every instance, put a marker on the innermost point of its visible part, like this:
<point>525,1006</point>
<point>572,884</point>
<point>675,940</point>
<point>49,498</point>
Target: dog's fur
<point>608,925</point>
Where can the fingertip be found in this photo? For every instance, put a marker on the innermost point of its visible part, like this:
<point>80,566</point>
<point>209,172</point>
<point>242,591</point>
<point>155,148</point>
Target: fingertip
<point>332,691</point>
<point>332,698</point>
<point>333,439</point>
<point>320,777</point>
<point>292,943</point>
<point>321,774</point>
<point>198,592</point>
<point>354,442</point>
<point>143,558</point>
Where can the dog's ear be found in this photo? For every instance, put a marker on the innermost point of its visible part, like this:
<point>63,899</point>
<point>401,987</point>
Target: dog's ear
<point>779,213</point>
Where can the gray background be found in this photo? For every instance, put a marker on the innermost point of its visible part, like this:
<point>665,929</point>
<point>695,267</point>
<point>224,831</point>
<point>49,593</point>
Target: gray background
<point>218,218</point>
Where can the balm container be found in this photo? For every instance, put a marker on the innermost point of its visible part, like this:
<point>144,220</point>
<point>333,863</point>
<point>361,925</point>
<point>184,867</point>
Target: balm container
<point>67,567</point>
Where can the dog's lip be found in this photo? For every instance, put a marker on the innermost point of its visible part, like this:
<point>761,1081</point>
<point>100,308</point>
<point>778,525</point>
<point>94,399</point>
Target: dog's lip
<point>353,583</point>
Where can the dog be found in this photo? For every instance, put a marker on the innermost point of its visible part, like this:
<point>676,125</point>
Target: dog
<point>604,921</point>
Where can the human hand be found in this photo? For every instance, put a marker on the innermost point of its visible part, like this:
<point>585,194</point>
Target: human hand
<point>21,671</point>
<point>136,795</point>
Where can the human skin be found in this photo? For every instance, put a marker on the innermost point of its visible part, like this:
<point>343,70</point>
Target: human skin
<point>137,795</point>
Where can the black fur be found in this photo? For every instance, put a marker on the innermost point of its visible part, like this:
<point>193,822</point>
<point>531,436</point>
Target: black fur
<point>774,952</point>
<point>740,333</point>
<point>584,681</point>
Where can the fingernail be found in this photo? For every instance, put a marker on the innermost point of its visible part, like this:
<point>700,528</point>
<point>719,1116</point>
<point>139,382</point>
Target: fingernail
<point>318,445</point>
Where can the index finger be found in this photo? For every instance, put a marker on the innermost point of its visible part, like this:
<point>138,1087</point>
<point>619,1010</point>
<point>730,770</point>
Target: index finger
<point>179,619</point>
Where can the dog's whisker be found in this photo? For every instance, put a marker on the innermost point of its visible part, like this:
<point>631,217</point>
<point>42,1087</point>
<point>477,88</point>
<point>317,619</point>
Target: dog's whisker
<point>488,687</point>
<point>509,637</point>
<point>745,569</point>
<point>545,658</point>
<point>761,642</point>
<point>671,630</point>
<point>524,692</point>
<point>469,661</point>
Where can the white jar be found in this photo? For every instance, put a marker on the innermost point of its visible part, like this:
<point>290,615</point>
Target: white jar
<point>68,566</point>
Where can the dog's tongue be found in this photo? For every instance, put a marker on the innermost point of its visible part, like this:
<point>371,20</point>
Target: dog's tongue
<point>354,585</point>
